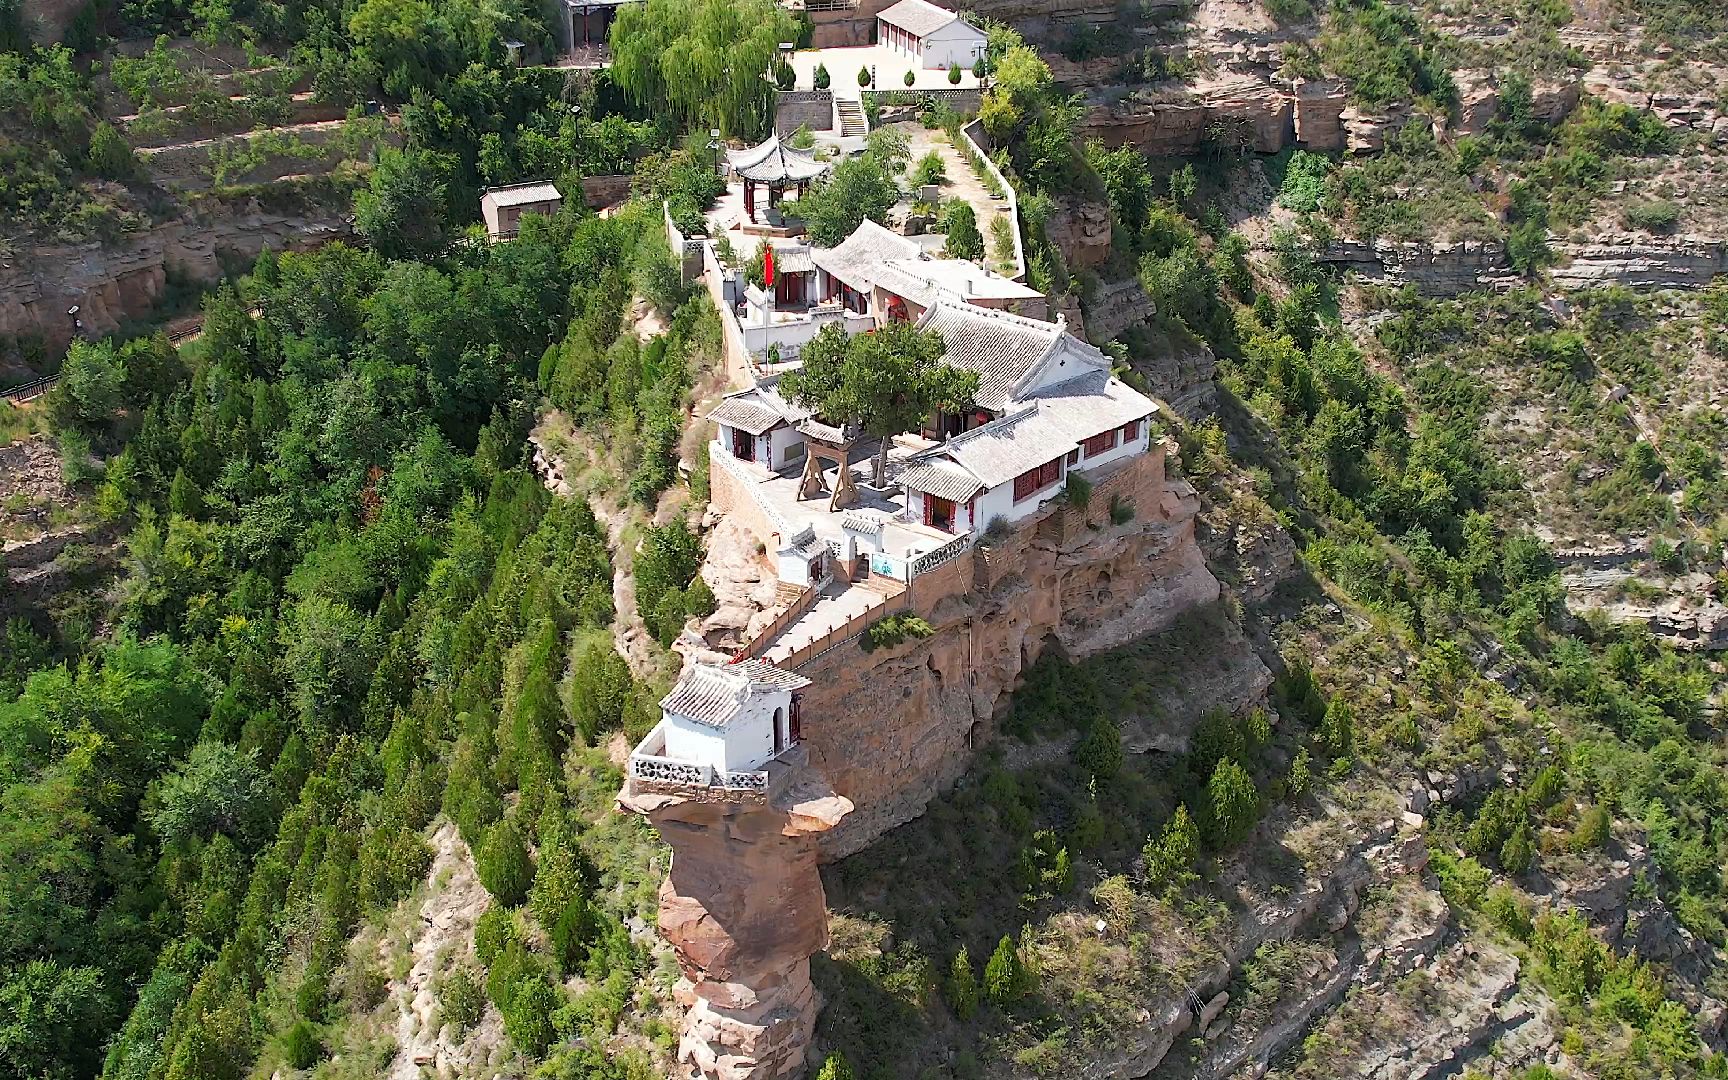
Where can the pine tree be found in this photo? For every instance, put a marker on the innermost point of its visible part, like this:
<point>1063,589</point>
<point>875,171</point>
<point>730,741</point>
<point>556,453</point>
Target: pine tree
<point>1002,978</point>
<point>835,1068</point>
<point>962,985</point>
<point>1519,851</point>
<point>1338,729</point>
<point>503,864</point>
<point>184,498</point>
<point>1233,804</point>
<point>1171,856</point>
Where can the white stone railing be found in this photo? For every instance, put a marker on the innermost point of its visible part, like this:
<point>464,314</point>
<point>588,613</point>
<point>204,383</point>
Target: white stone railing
<point>973,133</point>
<point>648,763</point>
<point>669,771</point>
<point>947,553</point>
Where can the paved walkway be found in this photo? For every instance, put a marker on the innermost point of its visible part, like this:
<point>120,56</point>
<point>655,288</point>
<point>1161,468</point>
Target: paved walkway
<point>962,183</point>
<point>839,603</point>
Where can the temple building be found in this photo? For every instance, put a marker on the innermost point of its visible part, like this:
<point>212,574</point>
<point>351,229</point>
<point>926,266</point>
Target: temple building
<point>721,726</point>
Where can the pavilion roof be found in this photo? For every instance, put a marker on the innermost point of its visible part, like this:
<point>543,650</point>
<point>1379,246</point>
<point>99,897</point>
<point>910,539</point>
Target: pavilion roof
<point>773,162</point>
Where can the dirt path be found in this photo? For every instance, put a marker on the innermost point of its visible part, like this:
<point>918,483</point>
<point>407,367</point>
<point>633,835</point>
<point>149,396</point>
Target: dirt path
<point>442,934</point>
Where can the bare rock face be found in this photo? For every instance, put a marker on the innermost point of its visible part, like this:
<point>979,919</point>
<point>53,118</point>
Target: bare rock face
<point>1162,125</point>
<point>1317,112</point>
<point>111,285</point>
<point>1478,102</point>
<point>1081,231</point>
<point>744,910</point>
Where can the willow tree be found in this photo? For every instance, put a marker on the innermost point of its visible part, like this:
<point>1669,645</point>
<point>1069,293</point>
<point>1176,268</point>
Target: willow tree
<point>706,62</point>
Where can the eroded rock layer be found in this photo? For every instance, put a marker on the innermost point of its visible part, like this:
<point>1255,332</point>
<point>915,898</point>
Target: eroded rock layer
<point>744,910</point>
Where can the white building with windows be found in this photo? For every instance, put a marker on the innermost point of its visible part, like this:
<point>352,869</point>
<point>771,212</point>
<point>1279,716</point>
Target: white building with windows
<point>721,726</point>
<point>1047,405</point>
<point>932,36</point>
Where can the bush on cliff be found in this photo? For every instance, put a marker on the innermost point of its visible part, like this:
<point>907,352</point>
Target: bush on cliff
<point>503,864</point>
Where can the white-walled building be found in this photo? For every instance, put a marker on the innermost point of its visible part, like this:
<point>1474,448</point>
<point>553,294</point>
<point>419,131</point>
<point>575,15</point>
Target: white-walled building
<point>1048,405</point>
<point>882,274</point>
<point>761,426</point>
<point>932,36</point>
<point>503,207</point>
<point>721,725</point>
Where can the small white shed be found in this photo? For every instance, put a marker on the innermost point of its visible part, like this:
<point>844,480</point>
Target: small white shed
<point>503,207</point>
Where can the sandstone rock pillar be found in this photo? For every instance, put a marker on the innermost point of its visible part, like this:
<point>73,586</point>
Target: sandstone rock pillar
<point>744,909</point>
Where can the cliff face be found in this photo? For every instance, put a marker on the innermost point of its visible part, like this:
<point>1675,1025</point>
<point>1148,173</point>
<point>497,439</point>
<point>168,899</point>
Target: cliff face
<point>113,284</point>
<point>893,728</point>
<point>744,910</point>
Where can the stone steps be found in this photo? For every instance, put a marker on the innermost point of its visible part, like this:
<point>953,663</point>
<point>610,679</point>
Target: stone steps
<point>849,118</point>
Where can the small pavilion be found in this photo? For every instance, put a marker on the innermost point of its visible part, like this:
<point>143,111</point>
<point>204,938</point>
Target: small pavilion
<point>775,166</point>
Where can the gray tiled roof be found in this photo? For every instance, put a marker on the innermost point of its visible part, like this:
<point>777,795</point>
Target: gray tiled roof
<point>756,410</point>
<point>712,694</point>
<point>858,260</point>
<point>944,480</point>
<point>1000,347</point>
<point>917,17</point>
<point>1053,421</point>
<point>523,194</point>
<point>774,162</point>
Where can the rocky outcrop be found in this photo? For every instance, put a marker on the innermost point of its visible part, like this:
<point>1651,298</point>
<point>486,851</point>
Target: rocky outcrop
<point>743,909</point>
<point>1081,231</point>
<point>1640,262</point>
<point>1317,113</point>
<point>111,285</point>
<point>1179,123</point>
<point>893,728</point>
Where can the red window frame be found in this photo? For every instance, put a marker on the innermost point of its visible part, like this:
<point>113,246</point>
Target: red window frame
<point>1032,481</point>
<point>1101,443</point>
<point>1130,431</point>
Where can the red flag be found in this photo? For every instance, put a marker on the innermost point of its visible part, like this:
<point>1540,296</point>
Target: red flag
<point>768,265</point>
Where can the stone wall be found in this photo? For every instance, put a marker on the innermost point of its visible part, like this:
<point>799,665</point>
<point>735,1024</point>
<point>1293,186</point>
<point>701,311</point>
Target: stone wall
<point>111,285</point>
<point>803,108</point>
<point>599,192</point>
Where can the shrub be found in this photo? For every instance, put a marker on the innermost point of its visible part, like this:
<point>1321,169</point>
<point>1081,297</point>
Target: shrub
<point>962,986</point>
<point>1233,804</point>
<point>109,155</point>
<point>909,78</point>
<point>978,68</point>
<point>836,1068</point>
<point>953,74</point>
<point>961,224</point>
<point>1121,510</point>
<point>1659,216</point>
<point>1099,750</point>
<point>461,1001</point>
<point>864,76</point>
<point>1594,828</point>
<point>929,170</point>
<point>784,77</point>
<point>301,1047</point>
<point>1170,857</point>
<point>822,79</point>
<point>503,864</point>
<point>1004,979</point>
<point>891,630</point>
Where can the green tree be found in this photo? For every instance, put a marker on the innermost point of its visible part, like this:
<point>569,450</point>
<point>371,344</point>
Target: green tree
<point>836,1068</point>
<point>701,61</point>
<point>962,985</point>
<point>47,1012</point>
<point>884,383</point>
<point>1233,804</point>
<point>1004,984</point>
<point>964,241</point>
<point>217,789</point>
<point>1099,749</point>
<point>405,203</point>
<point>109,155</point>
<point>1170,857</point>
<point>1519,850</point>
<point>858,188</point>
<point>1337,734</point>
<point>184,498</point>
<point>504,865</point>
